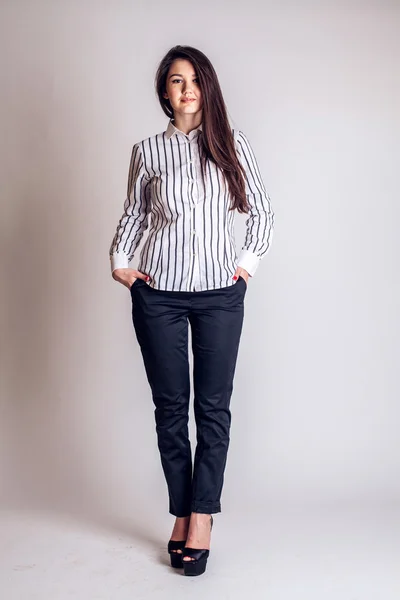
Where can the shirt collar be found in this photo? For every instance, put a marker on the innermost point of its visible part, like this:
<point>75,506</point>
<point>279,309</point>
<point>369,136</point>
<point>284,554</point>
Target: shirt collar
<point>171,130</point>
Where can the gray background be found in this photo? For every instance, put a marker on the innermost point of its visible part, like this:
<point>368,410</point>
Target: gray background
<point>311,495</point>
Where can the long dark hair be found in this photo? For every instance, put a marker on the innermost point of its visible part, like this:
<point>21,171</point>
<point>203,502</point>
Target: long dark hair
<point>217,142</point>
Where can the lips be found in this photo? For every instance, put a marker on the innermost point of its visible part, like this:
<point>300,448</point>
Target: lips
<point>188,99</point>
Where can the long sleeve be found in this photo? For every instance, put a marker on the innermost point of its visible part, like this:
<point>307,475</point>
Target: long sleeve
<point>260,220</point>
<point>134,220</point>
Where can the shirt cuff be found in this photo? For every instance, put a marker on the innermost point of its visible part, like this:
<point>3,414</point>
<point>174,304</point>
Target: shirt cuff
<point>119,260</point>
<point>248,261</point>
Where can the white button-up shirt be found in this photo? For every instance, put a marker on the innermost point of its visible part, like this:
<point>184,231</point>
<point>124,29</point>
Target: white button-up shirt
<point>191,243</point>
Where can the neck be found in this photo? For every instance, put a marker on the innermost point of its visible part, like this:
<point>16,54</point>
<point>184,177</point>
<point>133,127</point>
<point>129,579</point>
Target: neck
<point>186,123</point>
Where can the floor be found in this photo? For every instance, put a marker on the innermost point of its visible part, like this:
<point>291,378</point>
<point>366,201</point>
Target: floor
<point>279,555</point>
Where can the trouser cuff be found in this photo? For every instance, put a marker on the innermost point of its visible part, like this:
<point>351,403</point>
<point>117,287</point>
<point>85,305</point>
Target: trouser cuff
<point>206,507</point>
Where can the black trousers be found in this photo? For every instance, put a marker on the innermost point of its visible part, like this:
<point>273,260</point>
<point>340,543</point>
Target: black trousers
<point>161,320</point>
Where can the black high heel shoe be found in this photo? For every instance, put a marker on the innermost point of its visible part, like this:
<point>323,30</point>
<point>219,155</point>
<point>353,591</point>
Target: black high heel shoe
<point>176,557</point>
<point>197,564</point>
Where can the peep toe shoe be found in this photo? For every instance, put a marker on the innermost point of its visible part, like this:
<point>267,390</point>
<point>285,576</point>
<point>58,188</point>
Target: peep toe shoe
<point>176,557</point>
<point>198,559</point>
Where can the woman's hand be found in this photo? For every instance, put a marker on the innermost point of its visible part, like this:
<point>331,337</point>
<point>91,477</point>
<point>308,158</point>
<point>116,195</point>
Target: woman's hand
<point>128,276</point>
<point>243,273</point>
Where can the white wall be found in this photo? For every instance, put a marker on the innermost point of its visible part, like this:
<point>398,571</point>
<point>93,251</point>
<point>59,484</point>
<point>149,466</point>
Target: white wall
<point>315,406</point>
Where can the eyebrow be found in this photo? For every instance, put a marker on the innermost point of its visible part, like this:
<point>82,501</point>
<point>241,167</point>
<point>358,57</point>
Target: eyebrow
<point>179,75</point>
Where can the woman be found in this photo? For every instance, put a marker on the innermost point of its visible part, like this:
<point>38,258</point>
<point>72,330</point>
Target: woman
<point>189,180</point>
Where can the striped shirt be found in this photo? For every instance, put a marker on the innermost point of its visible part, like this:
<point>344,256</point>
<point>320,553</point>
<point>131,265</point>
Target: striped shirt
<point>191,243</point>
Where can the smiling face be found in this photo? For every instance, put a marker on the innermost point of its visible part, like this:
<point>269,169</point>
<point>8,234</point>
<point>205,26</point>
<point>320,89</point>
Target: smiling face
<point>183,90</point>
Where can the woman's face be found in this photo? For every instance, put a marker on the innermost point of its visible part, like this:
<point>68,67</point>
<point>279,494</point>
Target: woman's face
<point>183,88</point>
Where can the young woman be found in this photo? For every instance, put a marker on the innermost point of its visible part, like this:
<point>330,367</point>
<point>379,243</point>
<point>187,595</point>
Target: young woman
<point>188,181</point>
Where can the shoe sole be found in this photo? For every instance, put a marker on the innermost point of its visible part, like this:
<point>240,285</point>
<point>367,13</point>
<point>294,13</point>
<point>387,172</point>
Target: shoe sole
<point>176,560</point>
<point>194,567</point>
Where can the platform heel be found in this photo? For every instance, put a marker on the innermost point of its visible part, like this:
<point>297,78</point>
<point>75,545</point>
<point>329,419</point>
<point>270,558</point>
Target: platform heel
<point>176,557</point>
<point>198,563</point>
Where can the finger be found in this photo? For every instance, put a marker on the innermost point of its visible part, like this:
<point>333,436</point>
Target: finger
<point>237,273</point>
<point>143,276</point>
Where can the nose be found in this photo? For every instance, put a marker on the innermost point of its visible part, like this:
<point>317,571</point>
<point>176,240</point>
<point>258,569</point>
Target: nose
<point>186,88</point>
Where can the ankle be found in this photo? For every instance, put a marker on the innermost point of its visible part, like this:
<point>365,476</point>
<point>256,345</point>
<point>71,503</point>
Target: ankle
<point>180,528</point>
<point>201,518</point>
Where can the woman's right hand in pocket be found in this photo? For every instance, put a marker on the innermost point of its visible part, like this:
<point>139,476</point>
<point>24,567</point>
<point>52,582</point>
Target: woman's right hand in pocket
<point>128,276</point>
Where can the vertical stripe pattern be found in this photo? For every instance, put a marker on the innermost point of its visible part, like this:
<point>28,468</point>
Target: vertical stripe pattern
<point>191,243</point>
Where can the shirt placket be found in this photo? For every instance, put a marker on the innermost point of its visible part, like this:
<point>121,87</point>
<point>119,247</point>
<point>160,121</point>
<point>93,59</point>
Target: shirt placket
<point>192,166</point>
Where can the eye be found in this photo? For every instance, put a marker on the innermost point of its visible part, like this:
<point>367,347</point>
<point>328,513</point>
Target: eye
<point>196,79</point>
